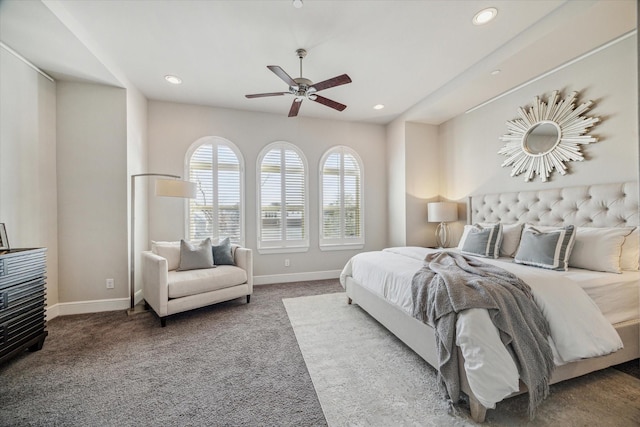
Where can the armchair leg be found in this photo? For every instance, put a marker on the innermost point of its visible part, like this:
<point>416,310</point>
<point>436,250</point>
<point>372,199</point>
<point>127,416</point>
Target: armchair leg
<point>163,321</point>
<point>248,298</point>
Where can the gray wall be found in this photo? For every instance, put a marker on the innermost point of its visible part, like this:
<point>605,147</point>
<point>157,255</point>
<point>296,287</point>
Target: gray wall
<point>28,192</point>
<point>92,191</point>
<point>469,143</point>
<point>174,127</point>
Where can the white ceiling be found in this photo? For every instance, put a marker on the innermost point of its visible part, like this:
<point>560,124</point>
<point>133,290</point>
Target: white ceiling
<point>423,60</point>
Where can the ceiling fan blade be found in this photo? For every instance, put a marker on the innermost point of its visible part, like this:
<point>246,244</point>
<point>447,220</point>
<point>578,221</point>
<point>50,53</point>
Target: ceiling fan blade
<point>330,103</point>
<point>295,107</point>
<point>261,95</point>
<point>282,74</point>
<point>336,81</point>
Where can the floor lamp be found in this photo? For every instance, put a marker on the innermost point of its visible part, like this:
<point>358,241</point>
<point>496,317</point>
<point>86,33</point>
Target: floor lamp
<point>175,187</point>
<point>442,212</point>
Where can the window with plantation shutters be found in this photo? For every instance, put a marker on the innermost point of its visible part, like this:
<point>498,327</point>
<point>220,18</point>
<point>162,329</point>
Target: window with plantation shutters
<point>282,199</point>
<point>341,216</point>
<point>216,166</point>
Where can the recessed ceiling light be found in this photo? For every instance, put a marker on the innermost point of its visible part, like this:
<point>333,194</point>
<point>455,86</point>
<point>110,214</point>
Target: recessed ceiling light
<point>494,72</point>
<point>297,4</point>
<point>485,15</point>
<point>378,107</point>
<point>173,79</point>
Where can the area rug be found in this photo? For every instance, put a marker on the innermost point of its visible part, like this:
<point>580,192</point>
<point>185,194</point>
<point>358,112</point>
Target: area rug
<point>365,376</point>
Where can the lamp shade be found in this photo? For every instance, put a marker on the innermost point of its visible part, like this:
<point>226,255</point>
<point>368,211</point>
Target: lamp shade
<point>175,188</point>
<point>442,212</point>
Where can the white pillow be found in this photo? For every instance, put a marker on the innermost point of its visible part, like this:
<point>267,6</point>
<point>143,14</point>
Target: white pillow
<point>481,240</point>
<point>169,251</point>
<point>550,248</point>
<point>630,252</point>
<point>510,239</point>
<point>598,249</point>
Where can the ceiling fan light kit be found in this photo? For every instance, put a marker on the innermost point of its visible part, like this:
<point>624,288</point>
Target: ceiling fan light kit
<point>302,88</point>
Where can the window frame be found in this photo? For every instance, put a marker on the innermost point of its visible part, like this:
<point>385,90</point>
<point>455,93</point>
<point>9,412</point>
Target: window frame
<point>217,141</point>
<point>281,246</point>
<point>342,243</point>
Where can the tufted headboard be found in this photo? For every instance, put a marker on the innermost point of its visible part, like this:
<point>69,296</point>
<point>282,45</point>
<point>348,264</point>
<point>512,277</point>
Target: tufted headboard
<point>600,205</point>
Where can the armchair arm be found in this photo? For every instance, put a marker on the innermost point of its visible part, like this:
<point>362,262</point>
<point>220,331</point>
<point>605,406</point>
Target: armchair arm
<point>155,290</point>
<point>243,258</point>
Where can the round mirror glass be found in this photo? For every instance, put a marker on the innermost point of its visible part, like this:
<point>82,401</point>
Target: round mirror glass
<point>541,138</point>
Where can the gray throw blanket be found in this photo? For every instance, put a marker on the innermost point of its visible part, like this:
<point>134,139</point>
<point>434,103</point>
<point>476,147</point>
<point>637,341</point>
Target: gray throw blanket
<point>450,283</point>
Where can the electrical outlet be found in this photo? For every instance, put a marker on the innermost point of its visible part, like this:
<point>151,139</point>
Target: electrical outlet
<point>110,284</point>
<point>287,263</point>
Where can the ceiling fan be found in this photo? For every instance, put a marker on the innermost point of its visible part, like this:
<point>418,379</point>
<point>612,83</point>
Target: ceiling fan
<point>303,88</point>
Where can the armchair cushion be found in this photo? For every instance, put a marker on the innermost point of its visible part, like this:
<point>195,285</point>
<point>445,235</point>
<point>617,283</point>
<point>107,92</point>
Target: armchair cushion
<point>194,282</point>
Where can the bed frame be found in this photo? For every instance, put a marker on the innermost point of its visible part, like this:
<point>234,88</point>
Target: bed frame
<point>602,205</point>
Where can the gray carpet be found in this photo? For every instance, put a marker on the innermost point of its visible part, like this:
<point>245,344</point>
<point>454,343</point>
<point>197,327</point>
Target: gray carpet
<point>364,376</point>
<point>230,364</point>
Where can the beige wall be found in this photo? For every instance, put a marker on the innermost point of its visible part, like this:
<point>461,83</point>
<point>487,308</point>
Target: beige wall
<point>137,153</point>
<point>174,127</point>
<point>413,155</point>
<point>28,194</point>
<point>469,143</point>
<point>92,191</point>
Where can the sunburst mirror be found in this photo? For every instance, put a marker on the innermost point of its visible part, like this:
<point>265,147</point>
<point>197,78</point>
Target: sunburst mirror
<point>546,136</point>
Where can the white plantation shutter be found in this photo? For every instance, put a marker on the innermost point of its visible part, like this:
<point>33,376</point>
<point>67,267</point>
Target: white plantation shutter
<point>216,166</point>
<point>282,198</point>
<point>341,222</point>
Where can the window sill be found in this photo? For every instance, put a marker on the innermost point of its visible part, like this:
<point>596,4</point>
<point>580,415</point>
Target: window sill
<point>351,247</point>
<point>282,250</point>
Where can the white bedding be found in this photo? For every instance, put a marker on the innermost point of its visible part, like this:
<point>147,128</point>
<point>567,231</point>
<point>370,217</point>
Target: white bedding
<point>572,302</point>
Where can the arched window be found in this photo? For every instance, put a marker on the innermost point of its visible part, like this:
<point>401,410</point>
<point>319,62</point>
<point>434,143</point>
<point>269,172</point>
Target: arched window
<point>283,224</point>
<point>217,167</point>
<point>341,212</point>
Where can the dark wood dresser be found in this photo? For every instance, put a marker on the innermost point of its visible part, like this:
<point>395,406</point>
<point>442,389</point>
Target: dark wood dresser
<point>22,301</point>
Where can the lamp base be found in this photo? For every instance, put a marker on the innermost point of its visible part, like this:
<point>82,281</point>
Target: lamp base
<point>137,309</point>
<point>442,235</point>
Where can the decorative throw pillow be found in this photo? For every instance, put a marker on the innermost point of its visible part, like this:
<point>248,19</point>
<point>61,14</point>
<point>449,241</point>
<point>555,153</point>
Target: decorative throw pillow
<point>193,257</point>
<point>598,249</point>
<point>547,249</point>
<point>510,239</point>
<point>169,251</point>
<point>630,251</point>
<point>483,241</point>
<point>222,254</point>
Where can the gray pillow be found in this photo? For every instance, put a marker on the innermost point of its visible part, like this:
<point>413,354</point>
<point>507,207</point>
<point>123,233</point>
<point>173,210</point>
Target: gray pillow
<point>548,249</point>
<point>222,254</point>
<point>193,257</point>
<point>483,241</point>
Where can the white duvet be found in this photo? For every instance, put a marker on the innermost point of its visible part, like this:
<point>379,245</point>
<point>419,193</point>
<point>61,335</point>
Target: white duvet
<point>578,327</point>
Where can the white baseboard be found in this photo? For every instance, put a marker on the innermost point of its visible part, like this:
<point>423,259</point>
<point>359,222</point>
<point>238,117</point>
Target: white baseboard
<point>296,277</point>
<point>82,307</point>
<point>96,306</point>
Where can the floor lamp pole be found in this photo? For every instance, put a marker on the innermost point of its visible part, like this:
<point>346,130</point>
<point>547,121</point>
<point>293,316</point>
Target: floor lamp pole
<point>132,286</point>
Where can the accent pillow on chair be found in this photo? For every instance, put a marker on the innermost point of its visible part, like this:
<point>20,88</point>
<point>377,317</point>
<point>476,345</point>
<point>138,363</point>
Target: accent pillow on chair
<point>194,257</point>
<point>223,254</point>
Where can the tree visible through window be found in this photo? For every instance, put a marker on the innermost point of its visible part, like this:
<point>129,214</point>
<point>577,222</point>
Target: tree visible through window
<point>341,194</point>
<point>282,198</point>
<point>216,166</point>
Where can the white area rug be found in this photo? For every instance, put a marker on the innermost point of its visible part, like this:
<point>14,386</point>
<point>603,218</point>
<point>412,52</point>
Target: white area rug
<point>364,376</point>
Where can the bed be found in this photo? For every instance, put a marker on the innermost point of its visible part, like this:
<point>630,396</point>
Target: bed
<point>377,281</point>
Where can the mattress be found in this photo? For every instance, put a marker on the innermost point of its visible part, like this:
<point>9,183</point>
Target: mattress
<point>389,273</point>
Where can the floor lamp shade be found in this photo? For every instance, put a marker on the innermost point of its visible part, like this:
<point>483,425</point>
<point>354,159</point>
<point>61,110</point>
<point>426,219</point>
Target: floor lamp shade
<point>442,212</point>
<point>175,188</point>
